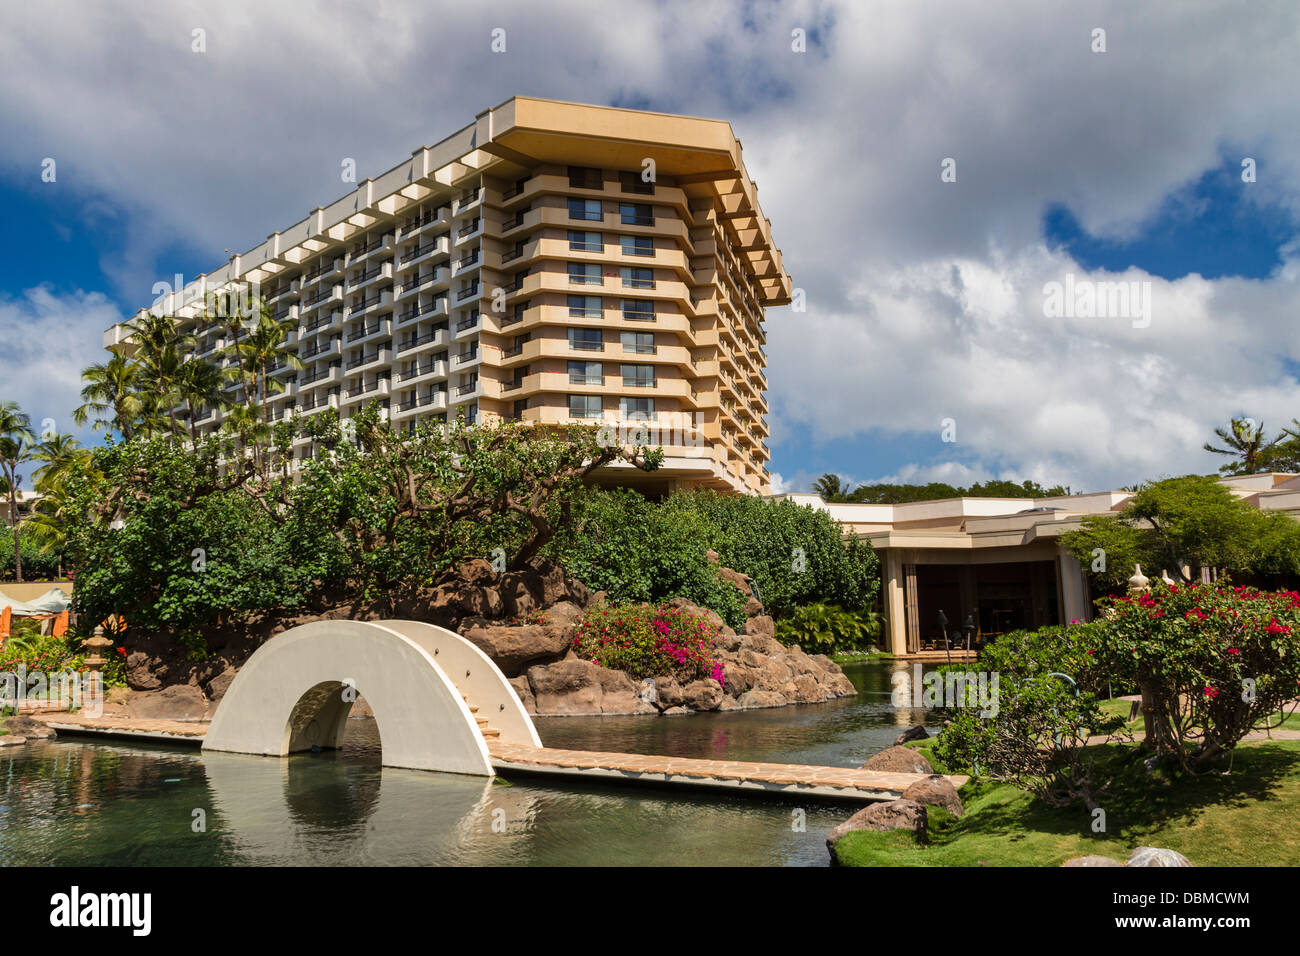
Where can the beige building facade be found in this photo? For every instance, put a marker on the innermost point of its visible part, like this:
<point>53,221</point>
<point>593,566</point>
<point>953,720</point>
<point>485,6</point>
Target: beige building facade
<point>550,262</point>
<point>996,562</point>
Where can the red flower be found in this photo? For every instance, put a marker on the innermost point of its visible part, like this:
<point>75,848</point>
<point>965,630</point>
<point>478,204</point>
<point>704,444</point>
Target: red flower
<point>122,651</point>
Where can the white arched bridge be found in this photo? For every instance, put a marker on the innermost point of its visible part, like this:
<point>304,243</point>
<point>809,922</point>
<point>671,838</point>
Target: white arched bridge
<point>437,699</point>
<point>440,704</point>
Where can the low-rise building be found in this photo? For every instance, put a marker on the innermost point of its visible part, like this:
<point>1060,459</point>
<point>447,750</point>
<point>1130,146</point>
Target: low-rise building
<point>997,563</point>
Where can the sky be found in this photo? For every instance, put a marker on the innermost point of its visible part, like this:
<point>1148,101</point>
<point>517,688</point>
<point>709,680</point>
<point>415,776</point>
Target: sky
<point>941,178</point>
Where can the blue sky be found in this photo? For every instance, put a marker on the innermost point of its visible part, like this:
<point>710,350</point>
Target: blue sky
<point>925,298</point>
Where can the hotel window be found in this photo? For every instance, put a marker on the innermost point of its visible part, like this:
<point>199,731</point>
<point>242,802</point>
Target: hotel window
<point>635,278</point>
<point>584,177</point>
<point>519,311</point>
<point>638,376</point>
<point>584,406</point>
<point>586,373</point>
<point>520,406</point>
<point>588,209</point>
<point>636,214</point>
<point>641,343</point>
<point>584,273</point>
<point>636,409</point>
<point>633,183</point>
<point>580,241</point>
<point>639,310</point>
<point>637,245</point>
<point>585,307</point>
<point>586,340</point>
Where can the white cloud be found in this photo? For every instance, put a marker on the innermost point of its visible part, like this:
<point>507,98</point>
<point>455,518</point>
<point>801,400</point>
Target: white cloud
<point>46,339</point>
<point>924,298</point>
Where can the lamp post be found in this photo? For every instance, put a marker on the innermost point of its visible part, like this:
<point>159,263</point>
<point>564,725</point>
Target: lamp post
<point>943,629</point>
<point>1139,584</point>
<point>969,628</point>
<point>97,645</point>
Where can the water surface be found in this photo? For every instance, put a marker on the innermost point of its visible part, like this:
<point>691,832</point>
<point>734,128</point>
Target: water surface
<point>106,803</point>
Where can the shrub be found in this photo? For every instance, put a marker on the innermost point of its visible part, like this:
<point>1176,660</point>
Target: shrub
<point>648,641</point>
<point>1035,736</point>
<point>638,550</point>
<point>796,554</point>
<point>1037,739</point>
<point>1217,661</point>
<point>37,565</point>
<point>1062,649</point>
<point>827,629</point>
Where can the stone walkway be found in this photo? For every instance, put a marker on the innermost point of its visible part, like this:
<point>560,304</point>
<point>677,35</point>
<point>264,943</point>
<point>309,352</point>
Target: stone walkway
<point>783,778</point>
<point>736,775</point>
<point>192,730</point>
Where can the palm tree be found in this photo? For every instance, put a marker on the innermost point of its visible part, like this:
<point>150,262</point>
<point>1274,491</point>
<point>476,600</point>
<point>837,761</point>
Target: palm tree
<point>200,388</point>
<point>160,348</point>
<point>1244,441</point>
<point>15,433</point>
<point>261,352</point>
<point>1285,453</point>
<point>244,423</point>
<point>831,488</point>
<point>61,454</point>
<point>111,386</point>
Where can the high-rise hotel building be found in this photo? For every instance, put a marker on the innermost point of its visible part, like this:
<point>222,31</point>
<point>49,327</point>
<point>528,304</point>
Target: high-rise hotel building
<point>550,262</point>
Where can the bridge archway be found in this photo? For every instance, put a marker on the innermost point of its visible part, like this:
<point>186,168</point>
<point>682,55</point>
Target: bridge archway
<point>432,693</point>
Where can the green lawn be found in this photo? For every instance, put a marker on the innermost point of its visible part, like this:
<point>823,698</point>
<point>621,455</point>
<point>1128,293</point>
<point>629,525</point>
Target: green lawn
<point>1246,818</point>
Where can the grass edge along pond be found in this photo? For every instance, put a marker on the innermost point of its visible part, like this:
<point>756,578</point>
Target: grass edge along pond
<point>1243,818</point>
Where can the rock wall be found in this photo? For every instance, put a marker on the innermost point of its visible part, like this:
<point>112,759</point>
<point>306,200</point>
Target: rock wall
<point>525,622</point>
<point>758,670</point>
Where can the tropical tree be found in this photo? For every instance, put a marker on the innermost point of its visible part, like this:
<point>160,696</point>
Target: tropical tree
<point>15,434</point>
<point>200,387</point>
<point>60,454</point>
<point>1243,441</point>
<point>831,488</point>
<point>1182,525</point>
<point>1285,453</point>
<point>112,386</point>
<point>160,356</point>
<point>262,351</point>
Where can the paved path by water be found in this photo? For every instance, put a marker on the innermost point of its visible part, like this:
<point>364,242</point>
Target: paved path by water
<point>780,779</point>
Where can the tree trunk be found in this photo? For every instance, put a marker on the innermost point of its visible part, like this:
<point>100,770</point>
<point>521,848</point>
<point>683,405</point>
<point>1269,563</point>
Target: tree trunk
<point>13,520</point>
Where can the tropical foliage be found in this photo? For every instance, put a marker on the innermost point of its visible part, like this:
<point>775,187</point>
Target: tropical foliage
<point>1182,525</point>
<point>827,629</point>
<point>1217,662</point>
<point>647,641</point>
<point>832,488</point>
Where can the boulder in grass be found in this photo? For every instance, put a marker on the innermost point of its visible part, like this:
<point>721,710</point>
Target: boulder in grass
<point>898,760</point>
<point>1156,856</point>
<point>912,733</point>
<point>936,791</point>
<point>882,817</point>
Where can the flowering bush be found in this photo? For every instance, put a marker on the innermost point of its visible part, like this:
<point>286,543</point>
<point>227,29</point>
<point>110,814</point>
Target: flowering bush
<point>26,646</point>
<point>1217,661</point>
<point>1038,737</point>
<point>648,641</point>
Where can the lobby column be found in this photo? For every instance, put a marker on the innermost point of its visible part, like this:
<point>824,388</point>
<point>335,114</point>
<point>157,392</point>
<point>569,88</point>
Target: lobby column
<point>894,608</point>
<point>1074,589</point>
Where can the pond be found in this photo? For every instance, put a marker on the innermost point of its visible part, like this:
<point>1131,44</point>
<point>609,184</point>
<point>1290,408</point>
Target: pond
<point>99,803</point>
